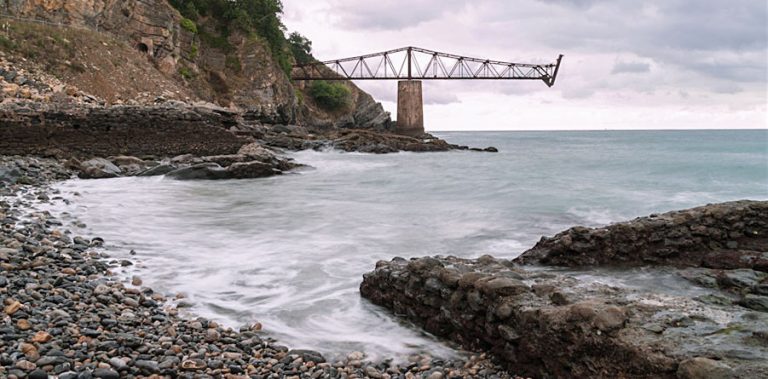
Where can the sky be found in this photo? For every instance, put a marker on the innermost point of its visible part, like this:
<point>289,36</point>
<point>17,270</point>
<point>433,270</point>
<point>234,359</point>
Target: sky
<point>628,64</point>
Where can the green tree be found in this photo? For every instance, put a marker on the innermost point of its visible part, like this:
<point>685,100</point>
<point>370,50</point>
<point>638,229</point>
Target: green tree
<point>301,48</point>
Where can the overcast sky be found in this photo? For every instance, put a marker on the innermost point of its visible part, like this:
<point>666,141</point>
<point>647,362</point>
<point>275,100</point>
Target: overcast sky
<point>653,64</point>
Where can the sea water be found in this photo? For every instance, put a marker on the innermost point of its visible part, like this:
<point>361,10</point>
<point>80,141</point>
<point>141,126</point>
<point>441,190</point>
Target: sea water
<point>290,251</point>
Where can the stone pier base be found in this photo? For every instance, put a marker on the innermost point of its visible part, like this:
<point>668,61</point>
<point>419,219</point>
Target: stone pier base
<point>410,108</point>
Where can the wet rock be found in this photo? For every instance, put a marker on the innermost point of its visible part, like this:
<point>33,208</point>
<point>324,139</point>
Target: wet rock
<point>117,363</point>
<point>739,279</point>
<point>308,355</point>
<point>605,329</point>
<point>23,324</point>
<point>211,335</point>
<point>98,168</point>
<point>202,171</point>
<point>12,307</point>
<point>41,337</point>
<point>250,170</point>
<point>703,368</point>
<point>105,373</point>
<point>124,160</point>
<point>25,365</point>
<point>696,237</point>
<point>148,366</point>
<point>256,151</point>
<point>157,170</point>
<point>756,302</point>
<point>38,374</point>
<point>197,364</point>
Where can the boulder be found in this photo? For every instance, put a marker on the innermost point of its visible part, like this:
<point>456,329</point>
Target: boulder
<point>9,174</point>
<point>158,170</point>
<point>250,170</point>
<point>308,355</point>
<point>98,168</point>
<point>256,151</point>
<point>202,171</point>
<point>226,160</point>
<point>124,160</point>
<point>703,368</point>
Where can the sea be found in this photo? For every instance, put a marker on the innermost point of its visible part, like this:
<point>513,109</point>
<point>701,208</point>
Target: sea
<point>290,251</point>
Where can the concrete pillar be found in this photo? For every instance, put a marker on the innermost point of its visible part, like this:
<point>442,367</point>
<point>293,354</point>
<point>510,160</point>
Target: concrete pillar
<point>410,108</point>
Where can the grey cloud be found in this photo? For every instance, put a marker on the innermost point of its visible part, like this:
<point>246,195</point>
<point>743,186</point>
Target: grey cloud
<point>578,93</point>
<point>390,14</point>
<point>689,45</point>
<point>572,3</point>
<point>440,98</point>
<point>687,34</point>
<point>630,67</point>
<point>727,88</point>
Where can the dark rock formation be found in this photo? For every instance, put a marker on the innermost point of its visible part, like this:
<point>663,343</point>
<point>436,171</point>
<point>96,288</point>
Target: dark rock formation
<point>371,142</point>
<point>358,140</point>
<point>163,130</point>
<point>724,236</point>
<point>554,326</point>
<point>202,171</point>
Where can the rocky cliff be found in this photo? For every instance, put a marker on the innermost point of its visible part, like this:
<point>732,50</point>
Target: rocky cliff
<point>238,72</point>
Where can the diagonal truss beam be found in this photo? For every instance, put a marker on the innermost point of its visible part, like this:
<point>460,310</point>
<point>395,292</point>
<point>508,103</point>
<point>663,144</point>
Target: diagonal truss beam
<point>413,63</point>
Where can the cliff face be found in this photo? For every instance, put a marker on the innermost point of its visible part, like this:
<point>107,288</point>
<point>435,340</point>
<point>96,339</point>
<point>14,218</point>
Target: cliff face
<point>240,74</point>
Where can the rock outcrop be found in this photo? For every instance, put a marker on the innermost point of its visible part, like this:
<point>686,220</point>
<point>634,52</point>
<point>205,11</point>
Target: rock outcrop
<point>725,236</point>
<point>565,324</point>
<point>252,161</point>
<point>549,325</point>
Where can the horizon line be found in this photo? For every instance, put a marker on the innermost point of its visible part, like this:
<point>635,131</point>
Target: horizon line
<point>597,130</point>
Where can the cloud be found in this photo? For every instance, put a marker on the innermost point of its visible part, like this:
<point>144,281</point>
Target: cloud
<point>390,14</point>
<point>727,88</point>
<point>441,93</point>
<point>630,67</point>
<point>690,54</point>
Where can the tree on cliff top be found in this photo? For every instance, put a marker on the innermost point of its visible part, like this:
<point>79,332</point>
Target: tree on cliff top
<point>301,48</point>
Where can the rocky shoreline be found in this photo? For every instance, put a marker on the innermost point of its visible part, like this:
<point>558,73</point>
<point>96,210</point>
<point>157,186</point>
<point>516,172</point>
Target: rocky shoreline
<point>550,323</point>
<point>67,314</point>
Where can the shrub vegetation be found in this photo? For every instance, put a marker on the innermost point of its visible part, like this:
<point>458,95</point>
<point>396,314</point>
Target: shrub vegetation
<point>189,25</point>
<point>330,96</point>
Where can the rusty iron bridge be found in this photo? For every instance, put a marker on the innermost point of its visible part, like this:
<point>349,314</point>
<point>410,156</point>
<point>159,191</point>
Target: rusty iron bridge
<point>411,65</point>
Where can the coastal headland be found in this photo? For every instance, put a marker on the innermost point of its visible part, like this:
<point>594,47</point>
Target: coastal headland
<point>105,89</point>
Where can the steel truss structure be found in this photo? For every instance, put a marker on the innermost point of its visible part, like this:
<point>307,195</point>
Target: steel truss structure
<point>413,63</point>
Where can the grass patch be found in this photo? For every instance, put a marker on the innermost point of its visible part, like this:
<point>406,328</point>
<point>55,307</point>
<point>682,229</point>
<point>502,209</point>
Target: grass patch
<point>186,73</point>
<point>6,43</point>
<point>299,96</point>
<point>189,25</point>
